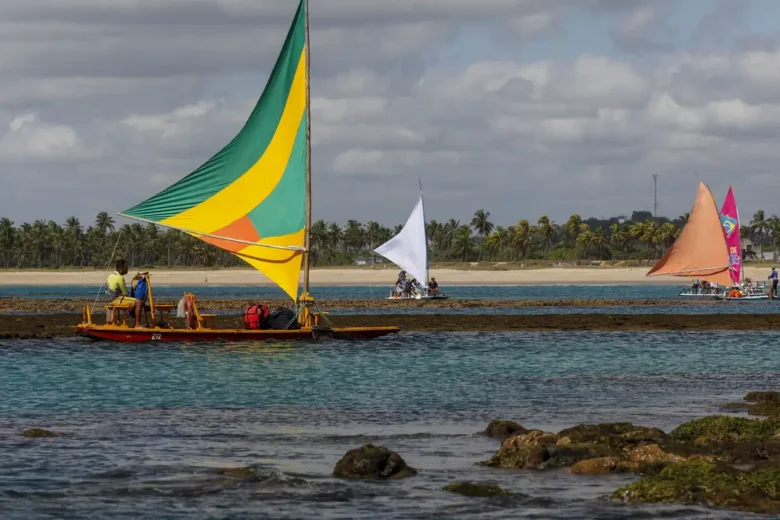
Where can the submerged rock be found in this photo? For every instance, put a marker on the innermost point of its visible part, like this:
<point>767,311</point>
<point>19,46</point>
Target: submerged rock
<point>502,429</point>
<point>735,407</point>
<point>245,473</point>
<point>719,429</point>
<point>471,489</point>
<point>372,462</point>
<point>40,432</point>
<point>708,483</point>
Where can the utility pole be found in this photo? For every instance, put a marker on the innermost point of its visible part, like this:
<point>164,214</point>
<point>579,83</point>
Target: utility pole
<point>655,195</point>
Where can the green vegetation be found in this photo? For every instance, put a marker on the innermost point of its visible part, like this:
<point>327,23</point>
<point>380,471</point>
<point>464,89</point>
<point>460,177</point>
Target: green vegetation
<point>47,244</point>
<point>708,483</point>
<point>724,429</point>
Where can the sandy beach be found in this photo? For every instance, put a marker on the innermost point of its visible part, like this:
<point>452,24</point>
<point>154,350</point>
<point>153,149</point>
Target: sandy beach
<point>365,276</point>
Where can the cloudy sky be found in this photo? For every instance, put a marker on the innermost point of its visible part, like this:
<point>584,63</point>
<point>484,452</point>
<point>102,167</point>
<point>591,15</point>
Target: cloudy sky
<point>521,107</point>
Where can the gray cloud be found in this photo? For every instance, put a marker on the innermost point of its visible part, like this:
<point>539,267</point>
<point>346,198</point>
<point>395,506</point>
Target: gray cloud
<point>133,94</point>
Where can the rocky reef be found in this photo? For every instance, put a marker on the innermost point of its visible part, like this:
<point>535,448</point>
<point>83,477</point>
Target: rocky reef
<point>372,462</point>
<point>717,461</point>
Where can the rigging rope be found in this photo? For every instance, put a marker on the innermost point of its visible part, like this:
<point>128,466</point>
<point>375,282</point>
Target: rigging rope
<point>119,235</point>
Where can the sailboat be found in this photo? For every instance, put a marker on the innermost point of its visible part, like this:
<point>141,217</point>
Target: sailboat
<point>253,199</point>
<point>700,251</point>
<point>409,251</point>
<point>703,250</point>
<point>729,217</point>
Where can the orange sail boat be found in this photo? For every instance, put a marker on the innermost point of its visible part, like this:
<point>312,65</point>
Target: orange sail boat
<point>700,252</point>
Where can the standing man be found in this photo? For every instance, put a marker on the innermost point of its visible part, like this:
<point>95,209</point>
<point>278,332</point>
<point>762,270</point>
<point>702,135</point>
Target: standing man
<point>773,277</point>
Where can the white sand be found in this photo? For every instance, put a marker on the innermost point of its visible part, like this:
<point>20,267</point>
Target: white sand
<point>380,277</point>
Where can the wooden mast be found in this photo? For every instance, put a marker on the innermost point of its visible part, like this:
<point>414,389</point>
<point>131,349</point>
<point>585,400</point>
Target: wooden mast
<point>307,228</point>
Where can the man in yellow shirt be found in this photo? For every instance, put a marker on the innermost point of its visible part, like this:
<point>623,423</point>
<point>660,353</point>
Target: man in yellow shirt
<point>118,290</point>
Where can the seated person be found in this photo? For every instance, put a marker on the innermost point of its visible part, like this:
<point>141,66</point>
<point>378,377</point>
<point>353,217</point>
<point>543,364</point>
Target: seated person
<point>118,291</point>
<point>433,287</point>
<point>408,286</point>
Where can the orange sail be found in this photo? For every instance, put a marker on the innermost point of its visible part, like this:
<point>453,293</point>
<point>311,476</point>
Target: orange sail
<point>700,251</point>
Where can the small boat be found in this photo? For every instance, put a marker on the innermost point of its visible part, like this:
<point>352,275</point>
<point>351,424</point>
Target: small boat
<point>700,251</point>
<point>253,199</point>
<point>409,251</point>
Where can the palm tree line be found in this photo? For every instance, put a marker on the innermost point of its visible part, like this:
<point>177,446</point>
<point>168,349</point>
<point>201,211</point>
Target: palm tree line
<point>47,244</point>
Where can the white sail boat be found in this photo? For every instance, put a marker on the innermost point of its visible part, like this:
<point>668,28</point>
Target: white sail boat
<point>409,251</point>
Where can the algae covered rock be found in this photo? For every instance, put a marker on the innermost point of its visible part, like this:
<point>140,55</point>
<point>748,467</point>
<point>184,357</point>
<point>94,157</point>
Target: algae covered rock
<point>548,456</point>
<point>719,429</point>
<point>619,436</point>
<point>41,433</point>
<point>708,483</point>
<point>372,462</point>
<point>471,489</point>
<point>502,429</point>
<point>755,397</point>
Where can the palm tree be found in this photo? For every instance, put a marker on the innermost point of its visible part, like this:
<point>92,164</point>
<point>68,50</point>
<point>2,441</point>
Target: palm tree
<point>572,226</point>
<point>461,246</point>
<point>546,230</point>
<point>104,222</point>
<point>667,234</point>
<point>522,238</point>
<point>7,239</point>
<point>481,223</point>
<point>759,227</point>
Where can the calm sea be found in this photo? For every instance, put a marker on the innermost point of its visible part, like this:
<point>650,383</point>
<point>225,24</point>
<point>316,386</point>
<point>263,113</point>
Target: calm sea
<point>148,425</point>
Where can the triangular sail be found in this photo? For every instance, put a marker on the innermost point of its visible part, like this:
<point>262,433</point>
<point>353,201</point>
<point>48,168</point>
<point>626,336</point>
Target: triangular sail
<point>408,249</point>
<point>250,198</point>
<point>700,250</point>
<point>729,218</point>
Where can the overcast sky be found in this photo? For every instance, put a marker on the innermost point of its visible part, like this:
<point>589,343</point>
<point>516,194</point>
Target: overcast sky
<point>520,107</point>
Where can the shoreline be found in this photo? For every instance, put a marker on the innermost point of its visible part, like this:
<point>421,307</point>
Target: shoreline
<point>365,277</point>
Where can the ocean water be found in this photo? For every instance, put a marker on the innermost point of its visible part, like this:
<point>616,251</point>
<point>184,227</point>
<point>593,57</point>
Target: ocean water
<point>149,425</point>
<point>474,292</point>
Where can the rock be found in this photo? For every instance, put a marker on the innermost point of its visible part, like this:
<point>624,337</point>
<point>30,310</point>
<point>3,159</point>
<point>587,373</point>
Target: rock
<point>618,436</point>
<point>546,456</point>
<point>756,397</point>
<point>717,429</point>
<point>710,484</point>
<point>653,454</point>
<point>471,489</point>
<point>501,429</point>
<point>372,462</point>
<point>530,439</point>
<point>245,473</point>
<point>40,432</point>
<point>735,407</point>
<point>767,408</point>
<point>599,466</point>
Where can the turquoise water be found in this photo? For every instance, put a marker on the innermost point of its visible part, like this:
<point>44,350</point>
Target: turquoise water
<point>148,424</point>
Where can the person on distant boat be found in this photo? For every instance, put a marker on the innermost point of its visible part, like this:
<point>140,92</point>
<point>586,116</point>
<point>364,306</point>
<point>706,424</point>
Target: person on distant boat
<point>408,286</point>
<point>117,289</point>
<point>773,277</point>
<point>433,287</point>
<point>399,284</point>
<point>695,286</point>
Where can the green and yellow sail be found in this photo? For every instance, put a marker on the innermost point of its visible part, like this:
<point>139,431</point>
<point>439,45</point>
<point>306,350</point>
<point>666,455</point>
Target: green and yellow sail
<point>250,198</point>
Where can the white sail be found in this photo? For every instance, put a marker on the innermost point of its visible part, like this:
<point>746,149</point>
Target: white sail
<point>408,249</point>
